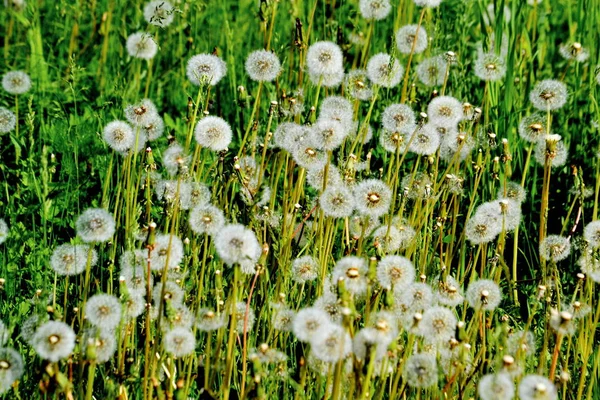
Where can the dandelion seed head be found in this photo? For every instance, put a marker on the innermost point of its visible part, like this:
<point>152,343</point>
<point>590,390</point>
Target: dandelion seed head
<point>521,342</point>
<point>481,229</point>
<point>70,259</point>
<point>415,297</point>
<point>174,158</point>
<point>54,340</point>
<point>134,306</point>
<point>353,270</point>
<point>205,69</point>
<point>154,128</point>
<point>537,387</point>
<point>104,342</point>
<point>490,67</point>
<point>168,251</point>
<point>555,248</point>
<point>449,293</point>
<point>384,71</point>
<point>244,318</point>
<point>432,71</point>
<point>141,45</point>
<point>398,118</point>
<point>327,80</point>
<point>173,293</point>
<point>455,142</point>
<point>374,9</point>
<point>358,85</point>
<point>332,344</point>
<point>549,95</point>
<point>387,239</point>
<point>104,311</point>
<point>417,186</point>
<point>366,340</point>
<point>133,271</point>
<point>438,324</point>
<point>573,51</point>
<point>328,134</point>
<point>309,322</point>
<point>445,111</point>
<point>206,219</point>
<point>119,136</point>
<point>213,132</point>
<point>141,114</point>
<point>512,191</point>
<point>17,5</point>
<point>420,370</point>
<point>207,320</point>
<point>95,225</point>
<point>263,66</point>
<point>484,294</point>
<point>533,127</point>
<point>8,120</point>
<point>179,342</point>
<point>426,140</point>
<point>497,386</point>
<point>159,12</point>
<point>283,318</point>
<point>236,244</point>
<point>308,155</point>
<point>337,201</point>
<point>591,233</point>
<point>324,58</point>
<point>11,368</point>
<point>410,36</point>
<point>16,82</point>
<point>373,197</point>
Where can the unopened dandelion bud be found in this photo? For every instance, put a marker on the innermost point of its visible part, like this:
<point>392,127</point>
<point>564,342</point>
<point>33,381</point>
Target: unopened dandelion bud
<point>423,277</point>
<point>565,376</point>
<point>508,360</point>
<point>580,276</point>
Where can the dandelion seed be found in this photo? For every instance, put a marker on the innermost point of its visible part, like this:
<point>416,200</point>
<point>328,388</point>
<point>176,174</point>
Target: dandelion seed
<point>420,370</point>
<point>54,340</point>
<point>11,368</point>
<point>432,71</point>
<point>374,9</point>
<point>358,85</point>
<point>8,120</point>
<point>263,66</point>
<point>205,69</point>
<point>141,45</point>
<point>555,248</point>
<point>119,136</point>
<point>324,59</point>
<point>213,132</point>
<point>373,197</point>
<point>410,36</point>
<point>103,311</point>
<point>207,320</point>
<point>426,140</point>
<point>4,231</point>
<point>141,114</point>
<point>332,344</point>
<point>236,244</point>
<point>438,324</point>
<point>95,225</point>
<point>484,294</point>
<point>449,293</point>
<point>445,111</point>
<point>179,342</point>
<point>309,323</point>
<point>395,272</point>
<point>536,387</point>
<point>69,259</point>
<point>159,12</point>
<point>573,51</point>
<point>490,67</point>
<point>353,270</point>
<point>167,252</point>
<point>16,82</point>
<point>548,95</point>
<point>384,71</point>
<point>241,316</point>
<point>337,201</point>
<point>398,118</point>
<point>498,386</point>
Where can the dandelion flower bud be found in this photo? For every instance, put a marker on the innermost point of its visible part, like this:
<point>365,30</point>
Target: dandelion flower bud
<point>213,132</point>
<point>421,370</point>
<point>16,82</point>
<point>309,322</point>
<point>536,387</point>
<point>205,69</point>
<point>8,120</point>
<point>95,225</point>
<point>555,248</point>
<point>373,197</point>
<point>484,294</point>
<point>54,340</point>
<point>236,244</point>
<point>179,342</point>
<point>445,111</point>
<point>548,95</point>
<point>432,71</point>
<point>497,386</point>
<point>374,9</point>
<point>159,13</point>
<point>573,51</point>
<point>324,59</point>
<point>141,45</point>
<point>69,259</point>
<point>332,344</point>
<point>11,368</point>
<point>410,36</point>
<point>358,85</point>
<point>119,136</point>
<point>263,66</point>
<point>207,219</point>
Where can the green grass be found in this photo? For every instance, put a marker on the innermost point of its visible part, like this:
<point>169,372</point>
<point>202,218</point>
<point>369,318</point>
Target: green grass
<point>56,165</point>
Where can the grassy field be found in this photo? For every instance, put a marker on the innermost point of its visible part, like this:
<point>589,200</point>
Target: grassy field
<point>315,199</point>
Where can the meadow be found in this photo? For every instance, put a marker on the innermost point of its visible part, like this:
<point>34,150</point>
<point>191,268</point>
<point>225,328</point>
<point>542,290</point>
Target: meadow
<point>289,199</point>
